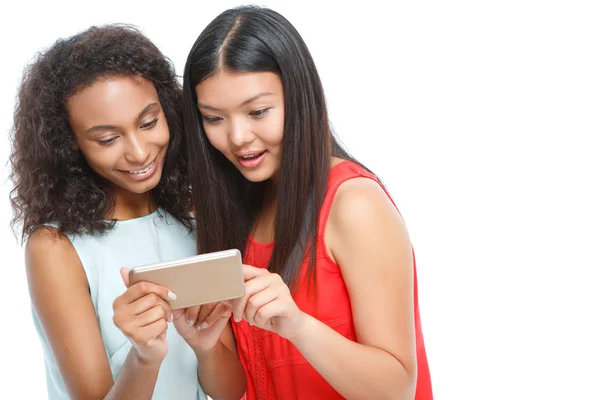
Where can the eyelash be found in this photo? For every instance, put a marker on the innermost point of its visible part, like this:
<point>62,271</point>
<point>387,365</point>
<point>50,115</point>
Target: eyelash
<point>260,113</point>
<point>212,120</point>
<point>150,124</point>
<point>256,114</point>
<point>146,126</point>
<point>107,142</point>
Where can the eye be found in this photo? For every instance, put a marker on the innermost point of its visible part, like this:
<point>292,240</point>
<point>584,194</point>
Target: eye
<point>260,113</point>
<point>106,142</point>
<point>150,124</point>
<point>212,120</point>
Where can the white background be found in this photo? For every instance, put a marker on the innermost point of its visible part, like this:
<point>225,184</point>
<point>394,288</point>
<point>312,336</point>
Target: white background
<point>481,117</point>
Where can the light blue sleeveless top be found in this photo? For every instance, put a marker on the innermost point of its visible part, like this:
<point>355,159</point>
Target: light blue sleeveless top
<point>157,237</point>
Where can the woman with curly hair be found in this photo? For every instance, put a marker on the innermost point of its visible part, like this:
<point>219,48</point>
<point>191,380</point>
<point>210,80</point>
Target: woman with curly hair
<point>100,183</point>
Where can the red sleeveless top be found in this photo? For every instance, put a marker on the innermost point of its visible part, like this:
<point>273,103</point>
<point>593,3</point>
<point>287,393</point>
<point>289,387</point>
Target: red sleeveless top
<point>274,368</point>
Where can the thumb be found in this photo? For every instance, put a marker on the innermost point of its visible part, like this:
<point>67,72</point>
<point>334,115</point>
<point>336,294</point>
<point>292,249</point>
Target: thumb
<point>178,313</point>
<point>229,303</point>
<point>125,276</point>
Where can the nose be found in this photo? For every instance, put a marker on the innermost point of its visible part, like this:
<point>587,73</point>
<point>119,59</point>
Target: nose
<point>136,152</point>
<point>240,132</point>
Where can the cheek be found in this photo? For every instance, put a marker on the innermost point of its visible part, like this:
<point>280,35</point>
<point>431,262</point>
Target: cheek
<point>217,139</point>
<point>162,134</point>
<point>101,161</point>
<point>274,132</point>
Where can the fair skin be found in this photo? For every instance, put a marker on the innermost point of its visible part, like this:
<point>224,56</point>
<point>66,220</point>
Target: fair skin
<point>120,128</point>
<point>372,249</point>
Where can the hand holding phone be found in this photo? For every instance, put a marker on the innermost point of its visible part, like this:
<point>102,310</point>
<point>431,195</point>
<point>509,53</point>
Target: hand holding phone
<point>202,326</point>
<point>201,283</point>
<point>142,313</point>
<point>203,279</point>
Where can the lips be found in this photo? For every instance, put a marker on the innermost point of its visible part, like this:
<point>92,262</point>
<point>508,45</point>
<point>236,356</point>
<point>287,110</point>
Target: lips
<point>142,171</point>
<point>251,159</point>
<point>251,155</point>
<point>141,174</point>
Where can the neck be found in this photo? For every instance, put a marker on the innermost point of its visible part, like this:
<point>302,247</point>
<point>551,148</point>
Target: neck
<point>129,205</point>
<point>264,226</point>
<point>270,194</point>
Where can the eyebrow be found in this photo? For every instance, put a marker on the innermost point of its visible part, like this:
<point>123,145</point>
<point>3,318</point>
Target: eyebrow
<point>111,127</point>
<point>250,100</point>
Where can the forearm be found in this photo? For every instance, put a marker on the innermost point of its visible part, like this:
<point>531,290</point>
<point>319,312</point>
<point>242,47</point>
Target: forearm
<point>356,371</point>
<point>220,373</point>
<point>136,379</point>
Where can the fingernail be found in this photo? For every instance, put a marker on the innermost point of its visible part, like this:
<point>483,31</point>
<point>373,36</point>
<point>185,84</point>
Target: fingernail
<point>150,342</point>
<point>198,327</point>
<point>204,325</point>
<point>190,322</point>
<point>171,295</point>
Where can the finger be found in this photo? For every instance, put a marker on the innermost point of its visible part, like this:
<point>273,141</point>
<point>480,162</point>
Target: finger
<point>251,288</point>
<point>151,316</point>
<point>191,315</point>
<point>140,289</point>
<point>148,334</point>
<point>205,311</point>
<point>229,303</point>
<point>221,311</point>
<point>179,313</point>
<point>251,272</point>
<point>219,324</point>
<point>263,316</point>
<point>148,302</point>
<point>125,276</point>
<point>257,301</point>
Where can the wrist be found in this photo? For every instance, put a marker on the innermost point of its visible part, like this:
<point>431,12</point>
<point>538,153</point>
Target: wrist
<point>143,362</point>
<point>304,327</point>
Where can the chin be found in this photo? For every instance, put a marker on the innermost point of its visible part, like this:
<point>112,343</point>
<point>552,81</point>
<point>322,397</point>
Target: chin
<point>257,176</point>
<point>143,187</point>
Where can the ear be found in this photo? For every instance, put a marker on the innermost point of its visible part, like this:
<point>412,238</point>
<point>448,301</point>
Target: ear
<point>125,276</point>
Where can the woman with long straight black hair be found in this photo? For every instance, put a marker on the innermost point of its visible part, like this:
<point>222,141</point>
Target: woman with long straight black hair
<point>331,308</point>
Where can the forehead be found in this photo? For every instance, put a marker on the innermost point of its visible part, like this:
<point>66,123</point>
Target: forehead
<point>230,89</point>
<point>114,101</point>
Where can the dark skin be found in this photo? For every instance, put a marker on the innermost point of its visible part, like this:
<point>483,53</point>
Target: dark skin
<point>121,129</point>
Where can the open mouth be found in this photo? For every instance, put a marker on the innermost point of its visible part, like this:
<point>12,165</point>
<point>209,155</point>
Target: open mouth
<point>141,173</point>
<point>252,160</point>
<point>252,156</point>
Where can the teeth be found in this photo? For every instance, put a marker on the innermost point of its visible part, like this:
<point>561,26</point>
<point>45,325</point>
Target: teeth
<point>250,157</point>
<point>141,171</point>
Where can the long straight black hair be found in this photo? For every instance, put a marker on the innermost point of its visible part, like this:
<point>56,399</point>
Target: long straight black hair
<point>256,39</point>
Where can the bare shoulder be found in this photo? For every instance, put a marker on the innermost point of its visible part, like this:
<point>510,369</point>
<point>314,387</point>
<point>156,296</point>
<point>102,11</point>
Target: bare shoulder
<point>362,215</point>
<point>49,255</point>
<point>361,201</point>
<point>47,239</point>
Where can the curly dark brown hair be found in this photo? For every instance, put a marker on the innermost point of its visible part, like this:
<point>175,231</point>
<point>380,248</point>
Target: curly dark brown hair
<point>52,180</point>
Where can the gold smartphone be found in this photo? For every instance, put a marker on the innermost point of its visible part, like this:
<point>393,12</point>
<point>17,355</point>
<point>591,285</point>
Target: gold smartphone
<point>197,280</point>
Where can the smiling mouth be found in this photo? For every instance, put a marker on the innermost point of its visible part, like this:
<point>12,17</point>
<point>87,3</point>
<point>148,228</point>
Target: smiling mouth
<point>142,171</point>
<point>252,156</point>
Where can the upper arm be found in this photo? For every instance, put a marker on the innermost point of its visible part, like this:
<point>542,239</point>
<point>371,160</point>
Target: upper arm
<point>367,238</point>
<point>60,295</point>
